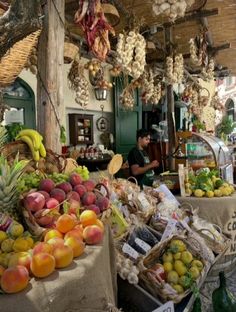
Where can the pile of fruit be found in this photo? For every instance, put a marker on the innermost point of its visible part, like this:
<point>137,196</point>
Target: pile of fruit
<point>207,183</point>
<point>178,267</point>
<point>51,199</point>
<point>21,257</point>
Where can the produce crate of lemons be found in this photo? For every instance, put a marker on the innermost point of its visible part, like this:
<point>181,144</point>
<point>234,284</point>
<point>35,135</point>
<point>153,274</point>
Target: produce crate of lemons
<point>181,268</point>
<point>207,183</point>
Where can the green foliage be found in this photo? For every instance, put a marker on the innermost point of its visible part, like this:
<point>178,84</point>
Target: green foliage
<point>13,129</point>
<point>199,125</point>
<point>62,134</point>
<point>225,127</point>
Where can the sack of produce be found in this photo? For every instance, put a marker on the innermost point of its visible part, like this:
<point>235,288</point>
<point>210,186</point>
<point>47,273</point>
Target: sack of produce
<point>174,266</point>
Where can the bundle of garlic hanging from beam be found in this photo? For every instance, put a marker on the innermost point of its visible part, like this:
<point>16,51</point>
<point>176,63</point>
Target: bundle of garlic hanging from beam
<point>79,83</point>
<point>127,98</point>
<point>147,86</point>
<point>195,58</point>
<point>171,8</point>
<point>126,269</point>
<point>155,98</point>
<point>131,53</point>
<point>174,69</point>
<point>208,73</point>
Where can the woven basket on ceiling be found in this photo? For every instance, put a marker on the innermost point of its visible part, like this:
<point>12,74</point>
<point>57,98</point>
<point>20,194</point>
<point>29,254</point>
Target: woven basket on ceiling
<point>70,52</point>
<point>13,62</point>
<point>111,14</point>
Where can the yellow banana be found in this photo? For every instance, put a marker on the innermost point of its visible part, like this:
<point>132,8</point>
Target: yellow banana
<point>34,135</point>
<point>29,142</point>
<point>42,150</point>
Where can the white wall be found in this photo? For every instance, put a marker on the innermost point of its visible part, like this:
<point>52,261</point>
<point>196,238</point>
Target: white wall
<point>72,107</point>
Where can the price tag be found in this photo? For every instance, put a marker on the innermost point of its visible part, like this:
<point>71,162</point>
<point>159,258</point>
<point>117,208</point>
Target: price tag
<point>142,244</point>
<point>170,228</point>
<point>130,251</point>
<point>167,307</point>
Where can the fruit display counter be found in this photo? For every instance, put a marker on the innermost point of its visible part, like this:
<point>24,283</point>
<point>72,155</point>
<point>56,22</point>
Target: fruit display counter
<point>88,284</point>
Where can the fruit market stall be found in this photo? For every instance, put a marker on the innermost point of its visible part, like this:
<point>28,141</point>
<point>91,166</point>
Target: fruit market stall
<point>88,284</point>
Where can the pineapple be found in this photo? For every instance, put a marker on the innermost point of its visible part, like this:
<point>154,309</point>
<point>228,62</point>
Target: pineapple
<point>3,135</point>
<point>9,175</point>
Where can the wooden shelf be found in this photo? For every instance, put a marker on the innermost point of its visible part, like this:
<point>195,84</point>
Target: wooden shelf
<point>78,122</point>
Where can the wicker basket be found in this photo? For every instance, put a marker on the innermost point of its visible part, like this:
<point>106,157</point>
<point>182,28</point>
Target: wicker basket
<point>111,14</point>
<point>13,62</point>
<point>162,289</point>
<point>70,52</point>
<point>10,151</point>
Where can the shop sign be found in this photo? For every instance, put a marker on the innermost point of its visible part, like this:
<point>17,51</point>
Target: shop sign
<point>231,229</point>
<point>167,307</point>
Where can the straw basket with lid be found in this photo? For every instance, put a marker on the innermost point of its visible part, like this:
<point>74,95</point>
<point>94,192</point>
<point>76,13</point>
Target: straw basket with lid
<point>70,52</point>
<point>111,14</point>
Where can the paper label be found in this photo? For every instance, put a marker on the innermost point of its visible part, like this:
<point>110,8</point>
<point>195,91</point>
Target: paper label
<point>170,229</point>
<point>130,251</point>
<point>130,196</point>
<point>164,189</point>
<point>142,244</point>
<point>167,307</point>
<point>143,201</point>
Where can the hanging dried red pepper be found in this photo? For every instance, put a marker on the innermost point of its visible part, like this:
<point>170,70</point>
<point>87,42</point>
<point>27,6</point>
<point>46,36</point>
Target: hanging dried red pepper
<point>95,26</point>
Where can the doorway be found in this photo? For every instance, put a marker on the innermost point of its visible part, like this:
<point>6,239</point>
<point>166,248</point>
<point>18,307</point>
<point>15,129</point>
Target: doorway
<point>20,98</point>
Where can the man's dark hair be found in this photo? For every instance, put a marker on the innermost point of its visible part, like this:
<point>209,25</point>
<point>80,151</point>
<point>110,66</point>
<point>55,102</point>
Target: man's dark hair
<point>142,133</point>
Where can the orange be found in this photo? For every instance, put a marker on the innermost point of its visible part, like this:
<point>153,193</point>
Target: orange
<point>65,223</point>
<point>88,217</point>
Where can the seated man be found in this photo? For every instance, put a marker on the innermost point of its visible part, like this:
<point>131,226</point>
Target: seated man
<point>139,162</point>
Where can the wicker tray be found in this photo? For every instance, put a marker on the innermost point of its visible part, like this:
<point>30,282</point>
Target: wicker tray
<point>161,289</point>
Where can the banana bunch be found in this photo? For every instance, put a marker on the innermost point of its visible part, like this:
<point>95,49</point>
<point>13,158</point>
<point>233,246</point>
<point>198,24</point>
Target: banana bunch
<point>34,140</point>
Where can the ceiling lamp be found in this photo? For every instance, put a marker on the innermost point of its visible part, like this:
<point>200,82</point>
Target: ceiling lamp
<point>111,14</point>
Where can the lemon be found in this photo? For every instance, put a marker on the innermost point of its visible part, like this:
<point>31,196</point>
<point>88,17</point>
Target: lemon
<point>20,244</point>
<point>7,245</point>
<point>180,268</point>
<point>199,193</point>
<point>231,189</point>
<point>30,241</point>
<point>177,256</point>
<point>3,236</point>
<point>167,257</point>
<point>186,257</point>
<point>194,272</point>
<point>16,229</point>
<point>172,277</point>
<point>177,245</point>
<point>198,264</point>
<point>210,194</point>
<point>178,288</point>
<point>218,193</point>
<point>168,266</point>
<point>225,191</point>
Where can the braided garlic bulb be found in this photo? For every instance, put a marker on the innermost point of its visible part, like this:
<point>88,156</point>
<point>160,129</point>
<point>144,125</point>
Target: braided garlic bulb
<point>171,8</point>
<point>131,53</point>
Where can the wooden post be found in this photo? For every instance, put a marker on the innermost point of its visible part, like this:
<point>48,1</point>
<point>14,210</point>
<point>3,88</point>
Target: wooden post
<point>170,106</point>
<point>50,106</point>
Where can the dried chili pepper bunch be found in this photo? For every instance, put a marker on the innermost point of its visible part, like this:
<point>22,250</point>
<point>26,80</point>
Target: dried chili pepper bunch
<point>91,18</point>
<point>131,53</point>
<point>79,83</point>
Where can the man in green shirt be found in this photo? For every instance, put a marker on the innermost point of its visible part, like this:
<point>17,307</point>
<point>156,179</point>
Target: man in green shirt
<point>139,163</point>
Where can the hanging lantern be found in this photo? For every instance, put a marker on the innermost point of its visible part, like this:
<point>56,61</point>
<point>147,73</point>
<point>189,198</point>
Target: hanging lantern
<point>100,93</point>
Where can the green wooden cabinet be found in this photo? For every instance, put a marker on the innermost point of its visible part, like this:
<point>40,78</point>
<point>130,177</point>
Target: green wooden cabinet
<point>127,122</point>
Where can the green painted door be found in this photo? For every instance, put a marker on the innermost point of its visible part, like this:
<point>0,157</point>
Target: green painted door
<point>20,96</point>
<point>126,122</point>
